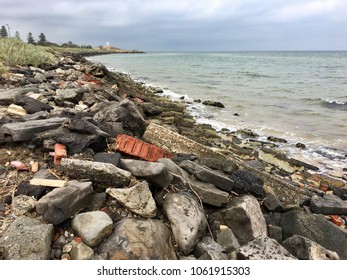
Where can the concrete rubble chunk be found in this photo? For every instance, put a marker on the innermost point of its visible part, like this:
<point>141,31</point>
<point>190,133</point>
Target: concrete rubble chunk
<point>98,172</point>
<point>243,215</point>
<point>137,199</point>
<point>25,131</point>
<point>22,204</point>
<point>93,227</point>
<point>316,228</point>
<point>306,249</point>
<point>187,219</point>
<point>176,143</point>
<point>281,161</point>
<point>155,172</point>
<point>62,203</point>
<point>69,95</point>
<point>138,239</point>
<point>208,175</point>
<point>329,204</point>
<point>14,109</point>
<point>263,248</point>
<point>27,239</point>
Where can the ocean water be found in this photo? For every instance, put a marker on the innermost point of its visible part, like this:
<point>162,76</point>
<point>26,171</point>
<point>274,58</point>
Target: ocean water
<point>299,96</point>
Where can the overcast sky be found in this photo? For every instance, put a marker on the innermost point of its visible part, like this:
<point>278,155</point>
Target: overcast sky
<point>184,25</point>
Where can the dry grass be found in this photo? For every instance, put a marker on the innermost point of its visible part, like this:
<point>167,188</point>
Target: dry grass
<point>14,52</point>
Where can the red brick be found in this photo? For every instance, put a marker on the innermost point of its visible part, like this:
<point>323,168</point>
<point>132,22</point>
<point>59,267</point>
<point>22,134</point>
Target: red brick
<point>59,153</point>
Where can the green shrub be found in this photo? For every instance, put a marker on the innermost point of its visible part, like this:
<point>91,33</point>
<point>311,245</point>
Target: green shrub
<point>14,52</point>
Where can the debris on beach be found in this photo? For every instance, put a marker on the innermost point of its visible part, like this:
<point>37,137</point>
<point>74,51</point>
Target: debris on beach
<point>89,157</point>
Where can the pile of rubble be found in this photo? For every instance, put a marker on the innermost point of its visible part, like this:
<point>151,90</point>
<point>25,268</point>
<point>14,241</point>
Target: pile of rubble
<point>94,165</point>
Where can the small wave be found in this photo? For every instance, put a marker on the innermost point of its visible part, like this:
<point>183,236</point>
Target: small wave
<point>334,104</point>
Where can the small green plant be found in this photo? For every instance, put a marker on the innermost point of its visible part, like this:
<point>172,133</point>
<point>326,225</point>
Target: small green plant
<point>14,52</point>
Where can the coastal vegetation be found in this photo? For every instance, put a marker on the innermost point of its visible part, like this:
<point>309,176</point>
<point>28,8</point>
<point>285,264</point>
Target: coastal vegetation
<point>15,52</point>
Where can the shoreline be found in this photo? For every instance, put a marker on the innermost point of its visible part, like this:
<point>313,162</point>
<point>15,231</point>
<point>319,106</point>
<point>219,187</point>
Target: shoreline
<point>84,107</point>
<point>294,148</point>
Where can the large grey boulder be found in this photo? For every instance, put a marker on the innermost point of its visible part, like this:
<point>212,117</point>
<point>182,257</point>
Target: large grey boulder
<point>62,203</point>
<point>138,239</point>
<point>137,199</point>
<point>98,172</point>
<point>244,217</point>
<point>316,228</point>
<point>92,226</point>
<point>155,172</point>
<point>187,219</point>
<point>122,118</point>
<point>306,249</point>
<point>27,239</point>
<point>25,131</point>
<point>208,175</point>
<point>263,248</point>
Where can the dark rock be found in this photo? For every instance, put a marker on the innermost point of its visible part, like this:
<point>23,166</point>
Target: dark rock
<point>62,203</point>
<point>340,192</point>
<point>263,248</point>
<point>24,188</point>
<point>208,175</point>
<point>27,239</point>
<point>213,104</point>
<point>275,232</point>
<point>300,145</point>
<point>243,215</point>
<point>305,249</point>
<point>84,126</point>
<point>246,133</point>
<point>329,204</point>
<point>121,118</point>
<point>97,202</point>
<point>98,172</point>
<point>113,158</point>
<point>138,239</point>
<point>99,71</point>
<point>178,157</point>
<point>245,182</point>
<point>32,105</point>
<point>316,228</point>
<point>155,172</point>
<point>149,109</point>
<point>75,142</point>
<point>213,163</point>
<point>208,249</point>
<point>25,131</point>
<point>277,139</point>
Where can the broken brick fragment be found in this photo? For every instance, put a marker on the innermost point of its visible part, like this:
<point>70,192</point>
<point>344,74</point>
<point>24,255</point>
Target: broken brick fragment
<point>59,153</point>
<point>135,147</point>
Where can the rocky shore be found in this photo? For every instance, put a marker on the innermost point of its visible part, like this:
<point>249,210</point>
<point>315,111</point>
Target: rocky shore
<point>94,165</point>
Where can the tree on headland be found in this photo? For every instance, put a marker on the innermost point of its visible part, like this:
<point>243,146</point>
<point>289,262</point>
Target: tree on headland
<point>31,38</point>
<point>42,39</point>
<point>3,32</point>
<point>18,36</point>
